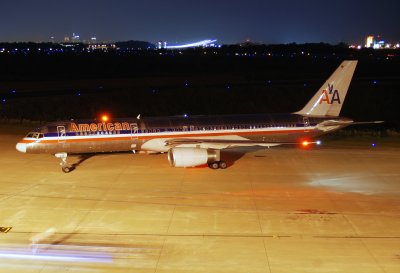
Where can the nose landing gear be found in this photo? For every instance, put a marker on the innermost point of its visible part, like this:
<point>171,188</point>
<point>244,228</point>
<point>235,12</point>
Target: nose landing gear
<point>64,165</point>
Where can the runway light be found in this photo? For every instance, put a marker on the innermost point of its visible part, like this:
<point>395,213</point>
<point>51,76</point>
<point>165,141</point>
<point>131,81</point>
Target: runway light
<point>104,118</point>
<point>373,145</point>
<point>318,142</point>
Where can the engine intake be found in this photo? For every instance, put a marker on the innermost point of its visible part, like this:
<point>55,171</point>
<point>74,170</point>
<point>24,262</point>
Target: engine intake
<point>192,157</point>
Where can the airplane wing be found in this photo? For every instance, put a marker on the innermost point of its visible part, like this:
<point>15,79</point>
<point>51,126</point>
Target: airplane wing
<point>226,143</point>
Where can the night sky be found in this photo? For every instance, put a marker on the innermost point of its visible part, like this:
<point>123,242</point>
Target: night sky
<point>175,21</point>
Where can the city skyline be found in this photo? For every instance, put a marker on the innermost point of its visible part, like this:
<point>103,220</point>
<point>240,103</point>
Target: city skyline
<point>178,21</point>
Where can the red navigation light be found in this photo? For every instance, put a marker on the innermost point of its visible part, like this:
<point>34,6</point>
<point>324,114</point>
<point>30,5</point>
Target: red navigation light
<point>104,118</point>
<point>305,143</point>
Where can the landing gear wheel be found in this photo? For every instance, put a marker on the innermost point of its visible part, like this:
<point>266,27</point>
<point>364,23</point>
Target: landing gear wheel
<point>222,165</point>
<point>64,165</point>
<point>213,165</point>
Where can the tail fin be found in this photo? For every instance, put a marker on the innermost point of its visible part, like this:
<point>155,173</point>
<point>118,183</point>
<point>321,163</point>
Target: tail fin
<point>329,99</point>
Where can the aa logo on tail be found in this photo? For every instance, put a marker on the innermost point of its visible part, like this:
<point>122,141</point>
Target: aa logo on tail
<point>330,96</point>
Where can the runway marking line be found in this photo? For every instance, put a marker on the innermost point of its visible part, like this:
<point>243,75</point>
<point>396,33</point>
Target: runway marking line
<point>5,229</point>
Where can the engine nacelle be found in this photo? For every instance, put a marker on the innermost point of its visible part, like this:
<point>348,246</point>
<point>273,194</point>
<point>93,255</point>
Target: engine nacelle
<point>192,157</point>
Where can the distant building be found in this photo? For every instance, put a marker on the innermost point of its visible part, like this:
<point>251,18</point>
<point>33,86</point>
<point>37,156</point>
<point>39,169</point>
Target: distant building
<point>75,38</point>
<point>376,42</point>
<point>66,39</point>
<point>101,46</point>
<point>161,45</point>
<point>369,41</point>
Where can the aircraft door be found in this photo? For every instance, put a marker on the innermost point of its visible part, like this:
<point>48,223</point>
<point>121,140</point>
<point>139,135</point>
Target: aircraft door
<point>306,123</point>
<point>61,134</point>
<point>134,130</point>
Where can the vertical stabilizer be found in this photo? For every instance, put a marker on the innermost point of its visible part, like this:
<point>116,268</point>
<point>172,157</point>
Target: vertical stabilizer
<point>329,99</point>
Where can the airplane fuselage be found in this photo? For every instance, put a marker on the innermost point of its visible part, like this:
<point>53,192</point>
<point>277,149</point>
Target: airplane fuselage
<point>151,134</point>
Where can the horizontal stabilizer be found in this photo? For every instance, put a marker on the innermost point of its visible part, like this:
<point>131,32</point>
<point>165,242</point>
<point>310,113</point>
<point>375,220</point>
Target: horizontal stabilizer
<point>342,123</point>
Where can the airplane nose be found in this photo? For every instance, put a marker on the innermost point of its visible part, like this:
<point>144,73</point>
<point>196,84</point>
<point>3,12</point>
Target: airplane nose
<point>21,147</point>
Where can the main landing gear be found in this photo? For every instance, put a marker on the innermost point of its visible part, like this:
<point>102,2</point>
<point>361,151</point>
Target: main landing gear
<point>64,165</point>
<point>217,165</point>
<point>215,161</point>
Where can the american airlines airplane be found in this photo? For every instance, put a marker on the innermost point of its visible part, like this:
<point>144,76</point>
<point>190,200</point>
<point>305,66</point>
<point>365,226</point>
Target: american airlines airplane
<point>197,140</point>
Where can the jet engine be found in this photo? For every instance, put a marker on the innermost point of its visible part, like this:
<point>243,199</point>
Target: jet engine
<point>191,157</point>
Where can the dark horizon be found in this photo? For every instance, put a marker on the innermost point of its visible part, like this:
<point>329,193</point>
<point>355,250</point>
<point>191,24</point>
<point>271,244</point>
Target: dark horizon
<point>178,21</point>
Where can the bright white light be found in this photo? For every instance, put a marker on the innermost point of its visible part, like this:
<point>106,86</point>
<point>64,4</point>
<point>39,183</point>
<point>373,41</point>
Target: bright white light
<point>201,43</point>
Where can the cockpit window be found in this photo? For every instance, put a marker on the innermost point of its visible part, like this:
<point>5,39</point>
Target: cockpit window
<point>35,135</point>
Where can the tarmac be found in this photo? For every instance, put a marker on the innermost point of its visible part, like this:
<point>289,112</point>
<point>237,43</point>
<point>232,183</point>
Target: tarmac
<point>333,208</point>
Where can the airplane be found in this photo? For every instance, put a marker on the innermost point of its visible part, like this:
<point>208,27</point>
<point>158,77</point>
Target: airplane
<point>192,141</point>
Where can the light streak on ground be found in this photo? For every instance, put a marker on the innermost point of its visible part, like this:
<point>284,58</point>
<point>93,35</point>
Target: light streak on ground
<point>64,253</point>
